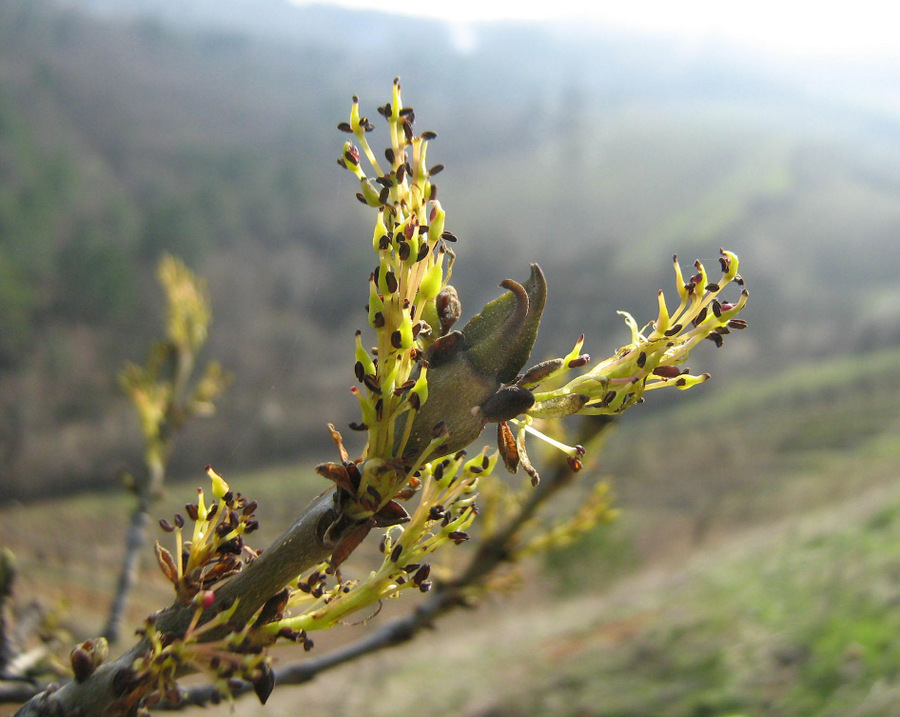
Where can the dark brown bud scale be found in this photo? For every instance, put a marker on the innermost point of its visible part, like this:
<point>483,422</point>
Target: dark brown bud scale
<point>353,474</point>
<point>374,493</point>
<point>82,664</point>
<point>506,443</point>
<point>507,403</point>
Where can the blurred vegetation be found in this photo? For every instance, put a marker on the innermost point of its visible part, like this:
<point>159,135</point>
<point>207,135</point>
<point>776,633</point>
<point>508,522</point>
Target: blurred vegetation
<point>131,130</point>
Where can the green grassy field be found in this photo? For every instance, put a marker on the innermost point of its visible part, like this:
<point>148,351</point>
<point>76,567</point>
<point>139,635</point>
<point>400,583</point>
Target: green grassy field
<point>755,571</point>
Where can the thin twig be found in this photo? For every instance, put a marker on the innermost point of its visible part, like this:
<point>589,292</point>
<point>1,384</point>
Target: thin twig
<point>8,648</point>
<point>135,542</point>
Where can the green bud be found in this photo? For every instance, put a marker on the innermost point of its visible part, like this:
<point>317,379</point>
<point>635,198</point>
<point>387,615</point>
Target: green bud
<point>436,228</point>
<point>559,406</point>
<point>376,305</point>
<point>369,192</point>
<point>431,284</point>
<point>467,368</point>
<point>362,356</point>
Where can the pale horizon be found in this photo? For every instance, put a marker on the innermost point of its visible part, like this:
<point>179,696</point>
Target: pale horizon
<point>865,31</point>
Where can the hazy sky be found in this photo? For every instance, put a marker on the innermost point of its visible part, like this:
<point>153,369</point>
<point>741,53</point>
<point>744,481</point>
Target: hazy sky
<point>862,28</point>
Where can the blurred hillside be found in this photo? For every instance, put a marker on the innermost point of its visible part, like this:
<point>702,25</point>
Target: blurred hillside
<point>130,129</point>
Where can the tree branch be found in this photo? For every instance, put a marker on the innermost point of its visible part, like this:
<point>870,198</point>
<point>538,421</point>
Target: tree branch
<point>300,548</point>
<point>443,598</point>
<point>134,544</point>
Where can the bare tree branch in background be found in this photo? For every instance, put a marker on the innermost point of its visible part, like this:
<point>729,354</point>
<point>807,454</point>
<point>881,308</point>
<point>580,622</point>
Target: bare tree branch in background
<point>166,396</point>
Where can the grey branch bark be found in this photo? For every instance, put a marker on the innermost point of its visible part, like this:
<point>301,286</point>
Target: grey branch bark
<point>8,649</point>
<point>134,545</point>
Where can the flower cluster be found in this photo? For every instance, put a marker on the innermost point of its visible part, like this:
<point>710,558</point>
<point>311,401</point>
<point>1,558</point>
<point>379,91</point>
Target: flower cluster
<point>230,661</point>
<point>410,306</point>
<point>653,359</point>
<point>404,306</point>
<point>444,512</point>
<point>214,548</point>
<point>206,553</point>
